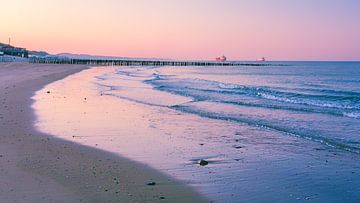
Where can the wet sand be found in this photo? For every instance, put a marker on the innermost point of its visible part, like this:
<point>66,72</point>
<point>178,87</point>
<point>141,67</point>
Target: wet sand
<point>38,167</point>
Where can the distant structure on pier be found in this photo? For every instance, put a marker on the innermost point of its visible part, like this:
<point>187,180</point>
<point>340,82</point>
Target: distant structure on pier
<point>262,59</point>
<point>221,58</point>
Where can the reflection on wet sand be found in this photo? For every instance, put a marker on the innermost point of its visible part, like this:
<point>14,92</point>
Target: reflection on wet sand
<point>123,114</point>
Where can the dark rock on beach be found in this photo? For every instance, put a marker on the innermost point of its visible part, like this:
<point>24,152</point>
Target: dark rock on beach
<point>151,184</point>
<point>203,162</point>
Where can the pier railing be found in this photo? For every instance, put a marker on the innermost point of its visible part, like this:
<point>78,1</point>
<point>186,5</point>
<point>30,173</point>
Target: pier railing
<point>134,62</point>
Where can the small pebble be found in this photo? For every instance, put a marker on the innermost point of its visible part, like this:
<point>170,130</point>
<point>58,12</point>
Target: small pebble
<point>151,183</point>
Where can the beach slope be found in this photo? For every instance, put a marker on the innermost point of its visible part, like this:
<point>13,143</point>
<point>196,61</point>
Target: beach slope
<point>36,167</point>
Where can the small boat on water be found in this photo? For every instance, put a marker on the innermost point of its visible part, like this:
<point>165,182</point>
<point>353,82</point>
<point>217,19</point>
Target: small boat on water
<point>221,58</point>
<point>262,59</point>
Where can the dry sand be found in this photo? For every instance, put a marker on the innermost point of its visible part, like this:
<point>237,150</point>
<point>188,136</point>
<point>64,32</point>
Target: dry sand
<point>36,167</point>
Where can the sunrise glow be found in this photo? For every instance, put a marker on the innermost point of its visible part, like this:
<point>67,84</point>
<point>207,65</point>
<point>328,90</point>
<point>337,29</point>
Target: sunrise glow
<point>187,29</point>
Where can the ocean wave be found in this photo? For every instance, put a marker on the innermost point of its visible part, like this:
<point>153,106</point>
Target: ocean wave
<point>334,143</point>
<point>319,103</point>
<point>336,103</point>
<point>355,115</point>
<point>135,74</point>
<point>229,86</point>
<point>200,89</point>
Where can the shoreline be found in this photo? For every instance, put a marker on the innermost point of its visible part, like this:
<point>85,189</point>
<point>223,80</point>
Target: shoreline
<point>51,169</point>
<point>244,160</point>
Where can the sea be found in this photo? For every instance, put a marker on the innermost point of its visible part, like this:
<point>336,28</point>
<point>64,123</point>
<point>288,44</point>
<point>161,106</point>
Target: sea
<point>284,132</point>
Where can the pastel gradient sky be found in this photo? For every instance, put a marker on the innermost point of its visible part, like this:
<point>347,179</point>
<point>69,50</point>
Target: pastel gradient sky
<point>187,29</point>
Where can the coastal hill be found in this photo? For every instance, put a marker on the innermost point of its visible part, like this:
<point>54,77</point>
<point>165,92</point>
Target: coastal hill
<point>74,56</point>
<point>88,56</point>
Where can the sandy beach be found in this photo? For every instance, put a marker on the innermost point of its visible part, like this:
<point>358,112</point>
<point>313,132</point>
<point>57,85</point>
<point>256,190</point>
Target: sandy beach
<point>37,167</point>
<point>179,101</point>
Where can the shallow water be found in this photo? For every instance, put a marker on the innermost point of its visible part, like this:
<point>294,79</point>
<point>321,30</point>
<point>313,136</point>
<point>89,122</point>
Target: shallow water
<point>278,133</point>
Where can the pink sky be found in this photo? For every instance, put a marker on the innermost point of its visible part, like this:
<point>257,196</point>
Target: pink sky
<point>187,29</point>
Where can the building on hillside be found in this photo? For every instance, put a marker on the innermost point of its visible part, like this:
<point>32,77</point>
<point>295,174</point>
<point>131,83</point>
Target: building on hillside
<point>14,51</point>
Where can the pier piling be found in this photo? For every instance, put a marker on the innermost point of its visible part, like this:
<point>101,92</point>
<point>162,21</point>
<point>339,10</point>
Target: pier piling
<point>134,62</point>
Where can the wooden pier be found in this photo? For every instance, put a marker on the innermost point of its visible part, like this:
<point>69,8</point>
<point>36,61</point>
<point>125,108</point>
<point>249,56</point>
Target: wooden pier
<point>135,62</point>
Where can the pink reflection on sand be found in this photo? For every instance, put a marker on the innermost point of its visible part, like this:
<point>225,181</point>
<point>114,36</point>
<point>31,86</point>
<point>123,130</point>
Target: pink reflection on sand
<point>77,109</point>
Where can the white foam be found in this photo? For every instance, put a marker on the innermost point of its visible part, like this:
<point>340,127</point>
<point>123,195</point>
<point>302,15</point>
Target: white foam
<point>229,86</point>
<point>352,115</point>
